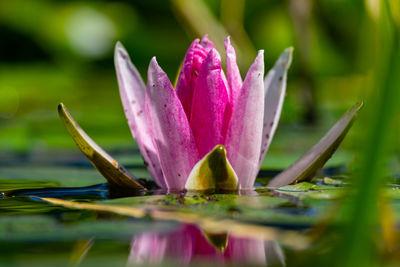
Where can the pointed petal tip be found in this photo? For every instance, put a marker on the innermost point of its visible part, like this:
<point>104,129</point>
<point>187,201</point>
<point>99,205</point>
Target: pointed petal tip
<point>259,58</point>
<point>205,40</point>
<point>206,43</point>
<point>153,60</point>
<point>229,47</point>
<point>259,61</point>
<point>290,49</point>
<point>227,41</point>
<point>195,42</point>
<point>118,44</point>
<point>153,66</point>
<point>213,59</point>
<point>120,54</point>
<point>156,75</point>
<point>214,53</point>
<point>286,57</point>
<point>119,49</point>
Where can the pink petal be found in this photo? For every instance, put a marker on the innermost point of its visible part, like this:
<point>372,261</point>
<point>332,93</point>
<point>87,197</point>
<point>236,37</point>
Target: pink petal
<point>206,43</point>
<point>171,130</point>
<point>148,248</point>
<point>232,70</point>
<point>211,109</point>
<point>204,251</point>
<point>132,91</point>
<point>156,248</point>
<point>245,251</point>
<point>243,139</point>
<point>187,77</point>
<point>275,89</point>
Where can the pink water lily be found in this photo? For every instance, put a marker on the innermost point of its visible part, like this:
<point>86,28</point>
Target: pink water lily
<point>175,128</point>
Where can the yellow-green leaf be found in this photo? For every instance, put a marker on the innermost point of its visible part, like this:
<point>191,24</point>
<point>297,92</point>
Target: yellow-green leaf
<point>115,173</point>
<point>213,171</point>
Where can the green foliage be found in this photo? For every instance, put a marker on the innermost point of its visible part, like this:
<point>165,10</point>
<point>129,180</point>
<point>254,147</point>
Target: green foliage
<point>61,51</point>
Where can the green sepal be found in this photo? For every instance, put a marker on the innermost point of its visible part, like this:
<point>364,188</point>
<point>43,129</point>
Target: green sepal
<point>310,163</point>
<point>115,173</point>
<point>213,171</point>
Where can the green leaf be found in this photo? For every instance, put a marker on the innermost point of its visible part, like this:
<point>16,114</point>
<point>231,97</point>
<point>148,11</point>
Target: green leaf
<point>300,187</point>
<point>39,228</point>
<point>331,181</point>
<point>104,163</point>
<point>309,164</point>
<point>11,184</point>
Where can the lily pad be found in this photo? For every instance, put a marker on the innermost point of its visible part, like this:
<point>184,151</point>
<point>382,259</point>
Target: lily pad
<point>203,220</point>
<point>64,176</point>
<point>9,184</point>
<point>46,229</point>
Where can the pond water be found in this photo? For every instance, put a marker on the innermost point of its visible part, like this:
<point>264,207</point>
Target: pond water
<point>112,226</point>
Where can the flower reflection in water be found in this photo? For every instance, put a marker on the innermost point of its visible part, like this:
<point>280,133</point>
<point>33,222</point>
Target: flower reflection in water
<point>188,244</point>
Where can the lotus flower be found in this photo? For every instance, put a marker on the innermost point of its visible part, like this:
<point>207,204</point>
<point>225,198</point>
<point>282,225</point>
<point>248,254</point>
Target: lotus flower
<point>209,116</point>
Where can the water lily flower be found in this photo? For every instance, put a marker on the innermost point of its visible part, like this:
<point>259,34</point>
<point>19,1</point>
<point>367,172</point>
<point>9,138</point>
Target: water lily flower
<point>211,123</point>
<point>213,131</point>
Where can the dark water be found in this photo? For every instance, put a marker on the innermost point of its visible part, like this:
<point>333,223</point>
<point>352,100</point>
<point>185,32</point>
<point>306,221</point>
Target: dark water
<point>48,235</point>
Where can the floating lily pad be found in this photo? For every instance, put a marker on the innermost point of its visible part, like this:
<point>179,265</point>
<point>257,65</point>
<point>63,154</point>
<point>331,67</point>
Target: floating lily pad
<point>300,187</point>
<point>9,184</point>
<point>331,181</point>
<point>46,229</point>
<point>23,206</point>
<point>207,219</point>
<point>64,176</point>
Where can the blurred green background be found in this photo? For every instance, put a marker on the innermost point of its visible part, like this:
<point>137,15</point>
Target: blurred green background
<point>62,51</point>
